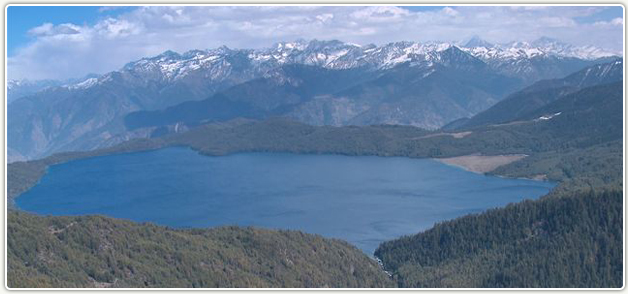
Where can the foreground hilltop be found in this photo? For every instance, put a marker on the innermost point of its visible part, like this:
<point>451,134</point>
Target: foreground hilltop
<point>93,251</point>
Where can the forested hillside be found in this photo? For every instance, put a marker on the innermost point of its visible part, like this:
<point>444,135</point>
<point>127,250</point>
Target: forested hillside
<point>565,242</point>
<point>94,251</point>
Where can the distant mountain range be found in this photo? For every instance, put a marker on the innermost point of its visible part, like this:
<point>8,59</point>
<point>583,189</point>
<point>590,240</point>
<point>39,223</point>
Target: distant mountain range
<point>317,82</point>
<point>218,63</point>
<point>24,87</point>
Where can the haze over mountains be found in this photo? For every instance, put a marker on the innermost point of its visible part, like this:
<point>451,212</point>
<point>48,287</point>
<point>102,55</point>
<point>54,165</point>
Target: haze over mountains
<point>317,82</point>
<point>20,88</point>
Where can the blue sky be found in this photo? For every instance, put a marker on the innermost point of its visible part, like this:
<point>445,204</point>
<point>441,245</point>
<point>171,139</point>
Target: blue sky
<point>71,41</point>
<point>20,19</point>
<point>603,15</point>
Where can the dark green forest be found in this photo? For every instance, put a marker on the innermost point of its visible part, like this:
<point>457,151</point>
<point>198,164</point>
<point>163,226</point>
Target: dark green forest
<point>573,241</point>
<point>95,251</point>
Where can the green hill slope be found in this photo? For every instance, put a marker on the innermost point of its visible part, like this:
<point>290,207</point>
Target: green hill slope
<point>566,242</point>
<point>94,251</point>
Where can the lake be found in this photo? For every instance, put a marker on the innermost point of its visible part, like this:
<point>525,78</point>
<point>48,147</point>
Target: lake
<point>362,199</point>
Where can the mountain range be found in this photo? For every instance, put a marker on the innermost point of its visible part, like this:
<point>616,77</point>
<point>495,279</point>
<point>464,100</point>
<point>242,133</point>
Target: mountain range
<point>317,82</point>
<point>24,87</point>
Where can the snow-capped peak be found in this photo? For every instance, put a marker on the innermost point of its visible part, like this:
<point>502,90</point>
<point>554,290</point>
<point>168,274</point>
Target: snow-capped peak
<point>334,54</point>
<point>475,41</point>
<point>543,46</point>
<point>84,84</point>
<point>11,84</point>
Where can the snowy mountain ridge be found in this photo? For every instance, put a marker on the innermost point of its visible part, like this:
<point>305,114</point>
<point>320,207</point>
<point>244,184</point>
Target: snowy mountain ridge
<point>340,55</point>
<point>216,64</point>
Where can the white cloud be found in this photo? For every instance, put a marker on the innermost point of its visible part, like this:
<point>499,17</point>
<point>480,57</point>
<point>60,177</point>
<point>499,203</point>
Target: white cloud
<point>557,22</point>
<point>71,50</point>
<point>614,22</point>
<point>529,7</point>
<point>43,29</point>
<point>450,11</point>
<point>112,28</point>
<point>380,14</point>
<point>617,21</point>
<point>324,17</point>
<point>48,29</point>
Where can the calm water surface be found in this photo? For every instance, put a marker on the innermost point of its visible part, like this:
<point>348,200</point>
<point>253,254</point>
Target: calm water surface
<point>364,200</point>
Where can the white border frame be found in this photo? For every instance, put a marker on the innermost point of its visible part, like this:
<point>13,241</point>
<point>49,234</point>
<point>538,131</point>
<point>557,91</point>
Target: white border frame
<point>321,3</point>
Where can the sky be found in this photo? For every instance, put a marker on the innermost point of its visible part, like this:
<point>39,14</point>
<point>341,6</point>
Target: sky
<point>61,42</point>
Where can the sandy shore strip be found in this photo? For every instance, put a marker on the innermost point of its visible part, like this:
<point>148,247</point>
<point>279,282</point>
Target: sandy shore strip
<point>455,135</point>
<point>481,163</point>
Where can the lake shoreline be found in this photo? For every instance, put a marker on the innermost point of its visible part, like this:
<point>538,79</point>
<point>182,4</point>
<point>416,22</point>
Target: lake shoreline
<point>481,164</point>
<point>334,183</point>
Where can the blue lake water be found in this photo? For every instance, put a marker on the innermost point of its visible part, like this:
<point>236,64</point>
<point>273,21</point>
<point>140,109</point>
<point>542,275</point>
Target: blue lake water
<point>364,200</point>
